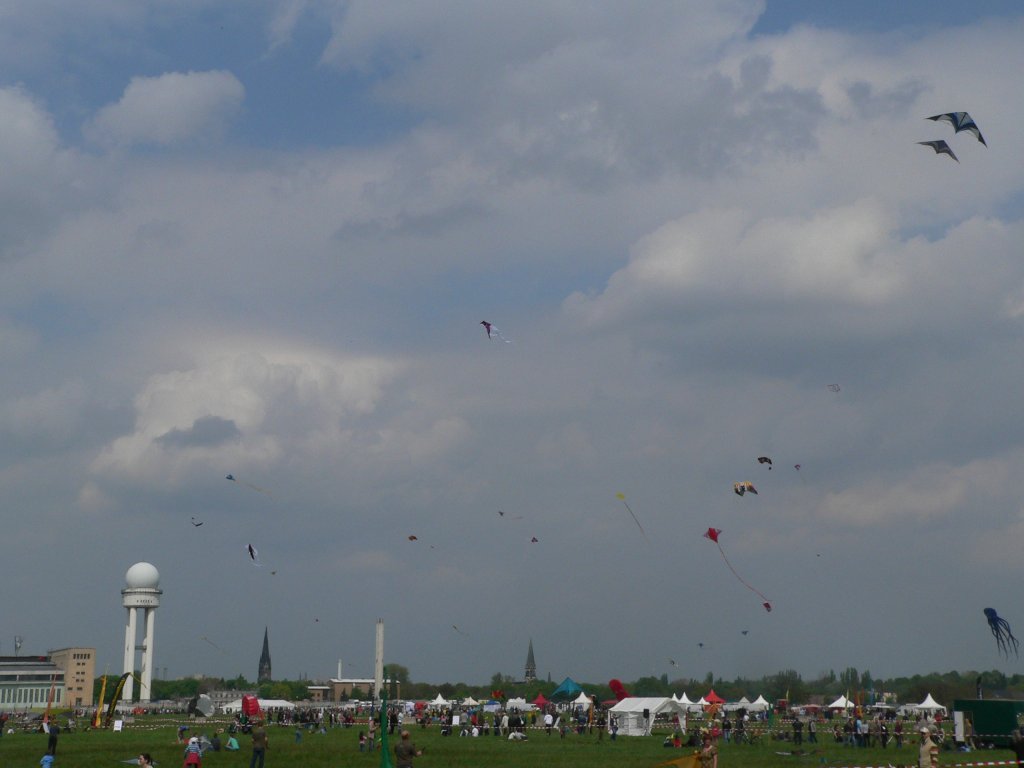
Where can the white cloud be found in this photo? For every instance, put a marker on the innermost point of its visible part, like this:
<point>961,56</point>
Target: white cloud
<point>738,222</point>
<point>927,494</point>
<point>36,173</point>
<point>169,109</point>
<point>285,404</point>
<point>53,413</point>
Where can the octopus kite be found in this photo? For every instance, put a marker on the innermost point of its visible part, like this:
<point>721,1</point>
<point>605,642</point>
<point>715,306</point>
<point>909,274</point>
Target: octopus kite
<point>711,534</point>
<point>1002,633</point>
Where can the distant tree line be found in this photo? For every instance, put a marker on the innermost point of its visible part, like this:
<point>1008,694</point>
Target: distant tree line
<point>187,687</point>
<point>787,684</point>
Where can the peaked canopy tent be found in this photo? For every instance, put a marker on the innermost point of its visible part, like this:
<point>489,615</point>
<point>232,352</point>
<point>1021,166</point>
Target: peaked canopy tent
<point>930,705</point>
<point>691,706</point>
<point>732,706</point>
<point>540,701</point>
<point>567,691</point>
<point>635,715</point>
<point>760,704</point>
<point>582,701</point>
<point>439,701</point>
<point>470,702</point>
<point>841,703</point>
<point>713,698</point>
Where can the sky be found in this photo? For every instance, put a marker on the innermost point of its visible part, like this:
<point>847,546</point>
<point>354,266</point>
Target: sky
<point>258,237</point>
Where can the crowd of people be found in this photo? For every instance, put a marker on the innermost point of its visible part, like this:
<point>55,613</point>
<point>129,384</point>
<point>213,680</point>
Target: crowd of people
<point>701,733</point>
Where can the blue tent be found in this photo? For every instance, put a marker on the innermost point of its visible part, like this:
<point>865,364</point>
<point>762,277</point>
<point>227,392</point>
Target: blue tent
<point>567,691</point>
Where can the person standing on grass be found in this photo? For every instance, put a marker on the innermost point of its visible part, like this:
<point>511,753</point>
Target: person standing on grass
<point>928,754</point>
<point>708,752</point>
<point>260,742</point>
<point>405,751</point>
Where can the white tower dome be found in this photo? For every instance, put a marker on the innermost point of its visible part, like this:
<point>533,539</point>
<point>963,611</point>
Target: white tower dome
<point>141,594</point>
<point>142,576</point>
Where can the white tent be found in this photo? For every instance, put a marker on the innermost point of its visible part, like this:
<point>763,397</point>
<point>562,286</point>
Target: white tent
<point>635,715</point>
<point>691,706</point>
<point>265,704</point>
<point>582,701</point>
<point>470,702</point>
<point>439,701</point>
<point>930,705</point>
<point>732,706</point>
<point>521,704</point>
<point>760,704</point>
<point>841,703</point>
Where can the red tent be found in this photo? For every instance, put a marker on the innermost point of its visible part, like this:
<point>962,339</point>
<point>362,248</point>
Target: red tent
<point>540,701</point>
<point>713,698</point>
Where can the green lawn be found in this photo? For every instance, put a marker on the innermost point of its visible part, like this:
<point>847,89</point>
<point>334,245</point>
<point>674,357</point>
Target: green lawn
<point>339,749</point>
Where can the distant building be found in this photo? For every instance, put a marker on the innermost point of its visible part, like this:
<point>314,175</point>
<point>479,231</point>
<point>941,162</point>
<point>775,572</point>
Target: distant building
<point>222,697</point>
<point>531,665</point>
<point>350,688</point>
<point>264,673</point>
<point>79,667</point>
<point>25,683</point>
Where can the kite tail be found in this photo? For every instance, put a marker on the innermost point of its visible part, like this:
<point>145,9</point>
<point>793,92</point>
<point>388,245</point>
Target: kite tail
<point>635,520</point>
<point>740,578</point>
<point>258,489</point>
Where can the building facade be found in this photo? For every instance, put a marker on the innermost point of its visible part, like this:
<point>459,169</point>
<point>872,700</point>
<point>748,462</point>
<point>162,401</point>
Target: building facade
<point>344,689</point>
<point>79,667</point>
<point>26,682</point>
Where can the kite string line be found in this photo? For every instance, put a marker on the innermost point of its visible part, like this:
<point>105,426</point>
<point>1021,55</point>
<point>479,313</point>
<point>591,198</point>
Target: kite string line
<point>744,583</point>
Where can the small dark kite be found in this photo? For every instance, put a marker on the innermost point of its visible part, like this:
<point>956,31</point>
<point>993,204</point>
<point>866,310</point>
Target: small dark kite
<point>940,147</point>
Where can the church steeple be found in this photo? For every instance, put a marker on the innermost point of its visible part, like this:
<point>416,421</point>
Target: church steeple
<point>264,673</point>
<point>531,665</point>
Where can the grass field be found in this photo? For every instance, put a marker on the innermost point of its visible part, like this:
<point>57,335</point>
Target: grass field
<point>339,749</point>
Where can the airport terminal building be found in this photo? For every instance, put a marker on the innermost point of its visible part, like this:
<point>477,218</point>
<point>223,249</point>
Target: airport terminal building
<point>26,681</point>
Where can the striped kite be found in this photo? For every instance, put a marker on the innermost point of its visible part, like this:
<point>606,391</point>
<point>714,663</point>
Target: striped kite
<point>961,121</point>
